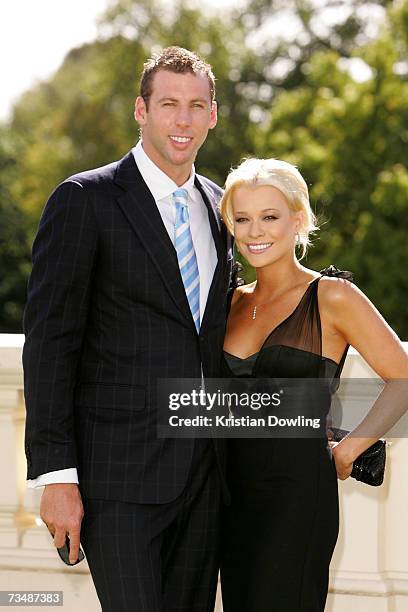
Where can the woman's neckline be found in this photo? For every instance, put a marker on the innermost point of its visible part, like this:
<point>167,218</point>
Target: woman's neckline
<point>294,348</point>
<point>310,285</point>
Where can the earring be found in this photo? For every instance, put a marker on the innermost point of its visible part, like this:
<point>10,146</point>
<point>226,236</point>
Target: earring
<point>298,239</point>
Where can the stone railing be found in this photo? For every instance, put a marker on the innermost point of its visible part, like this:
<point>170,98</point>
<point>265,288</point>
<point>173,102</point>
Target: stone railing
<point>369,571</point>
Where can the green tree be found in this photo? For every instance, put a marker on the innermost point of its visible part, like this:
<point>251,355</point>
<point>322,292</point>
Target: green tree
<point>15,238</point>
<point>292,95</point>
<point>83,116</point>
<point>349,140</point>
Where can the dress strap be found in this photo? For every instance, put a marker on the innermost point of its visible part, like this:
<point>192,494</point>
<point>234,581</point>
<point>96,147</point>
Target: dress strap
<point>332,271</point>
<point>335,272</point>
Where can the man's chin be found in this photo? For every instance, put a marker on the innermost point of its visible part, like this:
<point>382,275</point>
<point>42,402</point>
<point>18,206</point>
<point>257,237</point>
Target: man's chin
<point>180,158</point>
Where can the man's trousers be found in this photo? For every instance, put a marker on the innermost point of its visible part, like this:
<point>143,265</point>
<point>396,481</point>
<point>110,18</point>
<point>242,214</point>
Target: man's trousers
<point>158,557</point>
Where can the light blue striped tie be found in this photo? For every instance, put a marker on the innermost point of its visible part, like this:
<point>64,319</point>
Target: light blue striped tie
<point>186,256</point>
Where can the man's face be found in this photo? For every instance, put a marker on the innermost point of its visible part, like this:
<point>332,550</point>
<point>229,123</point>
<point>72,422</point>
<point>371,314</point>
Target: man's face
<point>177,122</point>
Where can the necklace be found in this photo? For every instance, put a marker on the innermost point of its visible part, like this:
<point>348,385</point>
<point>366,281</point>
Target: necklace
<point>255,308</point>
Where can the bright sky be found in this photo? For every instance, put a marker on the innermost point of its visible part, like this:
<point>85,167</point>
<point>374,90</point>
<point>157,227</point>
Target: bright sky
<point>35,35</point>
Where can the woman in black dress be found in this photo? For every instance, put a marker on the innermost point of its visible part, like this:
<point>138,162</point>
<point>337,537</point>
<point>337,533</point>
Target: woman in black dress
<point>280,530</point>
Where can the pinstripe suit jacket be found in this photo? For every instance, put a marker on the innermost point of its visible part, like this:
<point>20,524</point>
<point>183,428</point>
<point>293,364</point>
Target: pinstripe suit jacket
<point>107,315</point>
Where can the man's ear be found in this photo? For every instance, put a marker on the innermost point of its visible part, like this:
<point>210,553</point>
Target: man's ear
<point>213,117</point>
<point>140,110</point>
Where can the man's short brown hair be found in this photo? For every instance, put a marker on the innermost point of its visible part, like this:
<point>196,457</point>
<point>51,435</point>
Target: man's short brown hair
<point>178,60</point>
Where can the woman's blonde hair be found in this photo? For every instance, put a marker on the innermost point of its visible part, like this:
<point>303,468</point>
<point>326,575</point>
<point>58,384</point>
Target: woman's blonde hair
<point>279,174</point>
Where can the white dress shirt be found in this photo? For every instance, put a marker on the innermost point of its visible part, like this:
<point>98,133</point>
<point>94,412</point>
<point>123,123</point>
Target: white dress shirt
<point>162,187</point>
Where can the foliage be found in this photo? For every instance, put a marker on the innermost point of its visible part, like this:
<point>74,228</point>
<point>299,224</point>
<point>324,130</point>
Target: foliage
<point>349,140</point>
<point>15,239</point>
<point>292,94</point>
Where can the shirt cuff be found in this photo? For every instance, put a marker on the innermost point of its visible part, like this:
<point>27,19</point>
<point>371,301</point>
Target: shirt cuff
<point>58,476</point>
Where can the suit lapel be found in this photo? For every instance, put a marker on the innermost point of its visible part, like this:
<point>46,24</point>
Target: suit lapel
<point>213,215</point>
<point>139,206</point>
<point>215,224</point>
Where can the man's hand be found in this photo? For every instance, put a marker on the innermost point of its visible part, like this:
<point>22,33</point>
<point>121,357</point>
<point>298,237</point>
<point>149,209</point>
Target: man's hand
<point>62,511</point>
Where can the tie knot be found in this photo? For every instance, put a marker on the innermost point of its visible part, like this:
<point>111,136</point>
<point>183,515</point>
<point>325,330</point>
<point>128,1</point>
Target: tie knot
<point>180,197</point>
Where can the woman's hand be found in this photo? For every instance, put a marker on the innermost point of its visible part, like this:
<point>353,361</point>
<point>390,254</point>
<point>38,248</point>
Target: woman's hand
<point>342,460</point>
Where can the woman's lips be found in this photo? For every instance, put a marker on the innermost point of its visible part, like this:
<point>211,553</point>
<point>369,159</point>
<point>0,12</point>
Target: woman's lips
<point>256,249</point>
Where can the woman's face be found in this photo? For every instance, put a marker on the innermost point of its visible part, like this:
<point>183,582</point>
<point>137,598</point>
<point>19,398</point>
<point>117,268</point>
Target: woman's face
<point>264,227</point>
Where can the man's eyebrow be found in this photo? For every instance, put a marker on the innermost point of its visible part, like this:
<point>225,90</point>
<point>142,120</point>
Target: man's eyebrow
<point>170,99</point>
<point>167,98</point>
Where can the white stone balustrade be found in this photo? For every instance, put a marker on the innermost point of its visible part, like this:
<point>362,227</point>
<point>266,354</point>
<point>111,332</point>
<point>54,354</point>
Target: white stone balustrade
<point>369,571</point>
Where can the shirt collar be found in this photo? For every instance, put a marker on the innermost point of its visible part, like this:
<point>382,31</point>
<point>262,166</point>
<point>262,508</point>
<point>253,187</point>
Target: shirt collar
<point>160,185</point>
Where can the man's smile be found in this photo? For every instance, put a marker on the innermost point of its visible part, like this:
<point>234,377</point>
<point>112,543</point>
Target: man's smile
<point>181,139</point>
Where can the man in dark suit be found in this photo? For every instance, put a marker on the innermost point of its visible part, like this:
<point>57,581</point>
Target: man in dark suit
<point>110,311</point>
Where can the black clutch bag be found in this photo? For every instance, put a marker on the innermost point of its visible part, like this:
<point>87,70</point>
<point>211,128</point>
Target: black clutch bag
<point>369,466</point>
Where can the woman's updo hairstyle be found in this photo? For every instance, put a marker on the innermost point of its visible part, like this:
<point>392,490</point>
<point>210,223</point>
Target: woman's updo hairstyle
<point>279,174</point>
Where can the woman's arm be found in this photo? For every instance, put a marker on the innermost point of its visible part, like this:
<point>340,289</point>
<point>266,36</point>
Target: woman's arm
<point>355,318</point>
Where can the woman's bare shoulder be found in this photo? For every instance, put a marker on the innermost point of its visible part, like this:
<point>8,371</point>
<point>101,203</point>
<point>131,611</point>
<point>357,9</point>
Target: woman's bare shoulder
<point>336,294</point>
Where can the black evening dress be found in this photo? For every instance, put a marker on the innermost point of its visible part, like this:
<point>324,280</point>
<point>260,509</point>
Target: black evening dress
<point>279,533</point>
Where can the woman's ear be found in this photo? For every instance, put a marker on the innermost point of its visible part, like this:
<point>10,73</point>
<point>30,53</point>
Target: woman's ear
<point>299,221</point>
